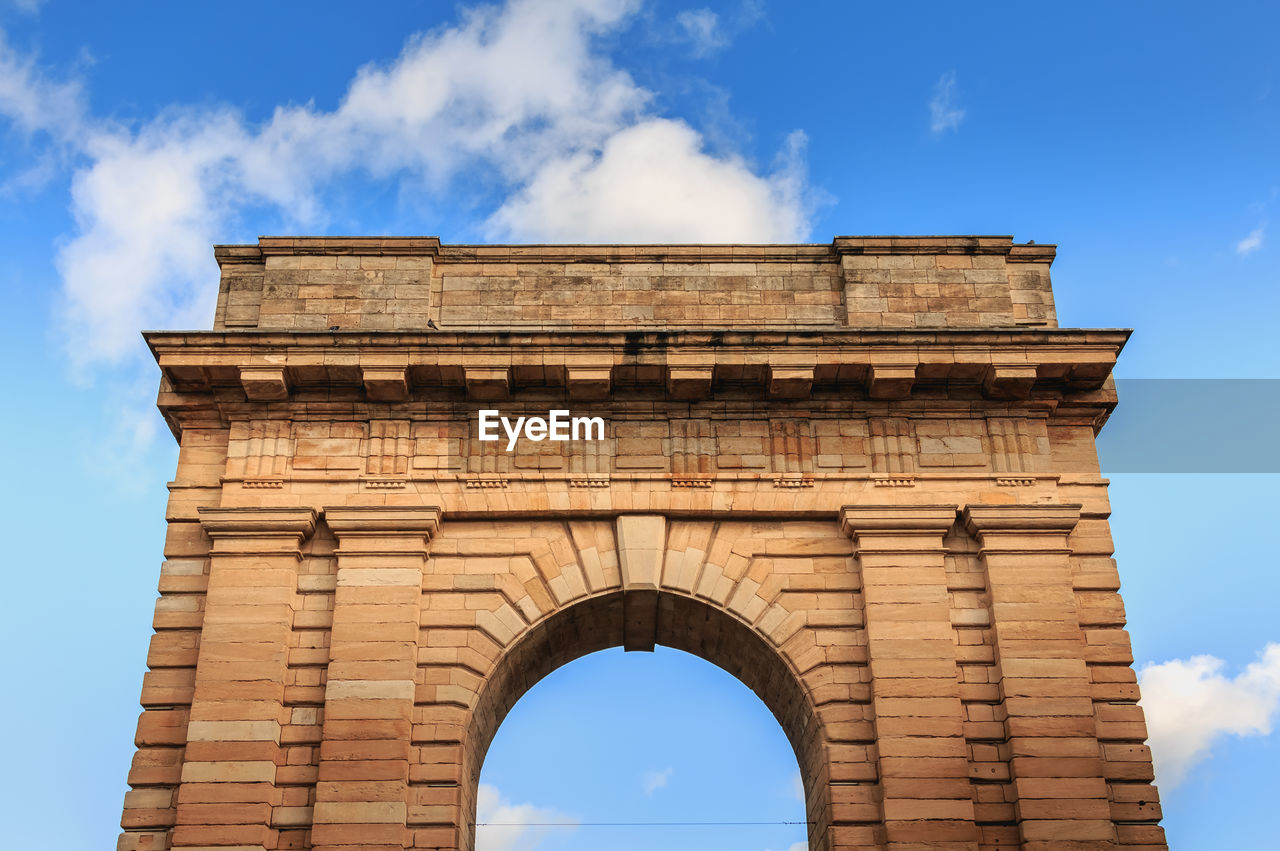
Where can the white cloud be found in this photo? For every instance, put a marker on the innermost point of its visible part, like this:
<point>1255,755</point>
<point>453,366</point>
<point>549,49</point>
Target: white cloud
<point>944,113</point>
<point>504,826</point>
<point>655,780</point>
<point>653,182</point>
<point>1252,242</point>
<point>1189,704</point>
<point>148,209</point>
<point>516,97</point>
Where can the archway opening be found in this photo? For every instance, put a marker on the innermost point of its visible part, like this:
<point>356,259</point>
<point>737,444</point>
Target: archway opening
<point>640,751</point>
<point>713,727</point>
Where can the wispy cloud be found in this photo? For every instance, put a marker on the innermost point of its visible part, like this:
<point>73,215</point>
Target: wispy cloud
<point>36,101</point>
<point>944,112</point>
<point>505,826</point>
<point>706,32</point>
<point>518,99</point>
<point>1252,242</point>
<point>30,7</point>
<point>701,27</point>
<point>655,780</point>
<point>1190,704</point>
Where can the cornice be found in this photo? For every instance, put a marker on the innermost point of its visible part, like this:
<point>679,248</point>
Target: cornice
<point>650,340</point>
<point>1070,367</point>
<point>431,246</point>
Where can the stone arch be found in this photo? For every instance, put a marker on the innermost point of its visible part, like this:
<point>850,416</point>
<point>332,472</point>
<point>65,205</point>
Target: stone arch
<point>785,590</point>
<point>973,682</point>
<point>683,622</point>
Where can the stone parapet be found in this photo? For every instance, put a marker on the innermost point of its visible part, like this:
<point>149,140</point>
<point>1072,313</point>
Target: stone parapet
<point>381,283</point>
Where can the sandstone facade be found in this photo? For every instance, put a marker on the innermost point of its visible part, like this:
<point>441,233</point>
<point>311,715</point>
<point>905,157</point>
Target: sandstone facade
<point>859,476</point>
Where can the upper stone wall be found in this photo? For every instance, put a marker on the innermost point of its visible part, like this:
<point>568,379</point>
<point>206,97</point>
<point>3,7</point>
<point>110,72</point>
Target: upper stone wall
<point>384,284</point>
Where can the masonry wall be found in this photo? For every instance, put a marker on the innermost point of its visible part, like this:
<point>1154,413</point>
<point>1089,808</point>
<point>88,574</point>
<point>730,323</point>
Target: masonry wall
<point>898,539</point>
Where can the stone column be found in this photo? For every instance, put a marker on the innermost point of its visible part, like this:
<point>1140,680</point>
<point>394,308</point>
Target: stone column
<point>362,793</point>
<point>233,738</point>
<point>923,758</point>
<point>1055,760</point>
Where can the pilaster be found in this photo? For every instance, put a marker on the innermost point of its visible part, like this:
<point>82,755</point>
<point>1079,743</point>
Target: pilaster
<point>233,738</point>
<point>923,760</point>
<point>1055,759</point>
<point>362,793</point>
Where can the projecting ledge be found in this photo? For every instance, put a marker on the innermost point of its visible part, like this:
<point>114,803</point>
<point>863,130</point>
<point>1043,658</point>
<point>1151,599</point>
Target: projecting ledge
<point>589,383</point>
<point>488,384</point>
<point>264,384</point>
<point>790,382</point>
<point>386,384</point>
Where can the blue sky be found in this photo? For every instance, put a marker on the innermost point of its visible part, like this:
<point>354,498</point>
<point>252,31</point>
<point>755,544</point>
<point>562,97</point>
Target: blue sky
<point>1143,138</point>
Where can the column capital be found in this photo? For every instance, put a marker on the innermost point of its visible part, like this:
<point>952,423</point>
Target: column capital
<point>416,520</point>
<point>249,530</point>
<point>383,530</point>
<point>985,519</point>
<point>897,519</point>
<point>222,522</point>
